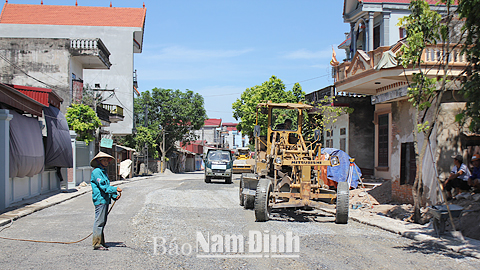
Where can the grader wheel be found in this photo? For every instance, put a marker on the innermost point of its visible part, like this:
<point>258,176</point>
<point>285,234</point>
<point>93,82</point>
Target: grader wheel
<point>263,207</point>
<point>241,196</point>
<point>341,216</point>
<point>246,201</point>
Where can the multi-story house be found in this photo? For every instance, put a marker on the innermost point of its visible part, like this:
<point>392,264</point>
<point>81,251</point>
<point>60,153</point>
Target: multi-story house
<point>351,133</point>
<point>119,29</point>
<point>371,68</point>
<point>209,134</point>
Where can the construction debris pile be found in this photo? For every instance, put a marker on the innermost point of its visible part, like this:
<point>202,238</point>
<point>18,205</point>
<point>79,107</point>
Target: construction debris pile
<point>377,199</point>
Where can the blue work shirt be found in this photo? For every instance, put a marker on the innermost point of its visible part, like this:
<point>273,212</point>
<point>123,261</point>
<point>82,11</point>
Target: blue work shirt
<point>102,192</point>
<point>475,173</point>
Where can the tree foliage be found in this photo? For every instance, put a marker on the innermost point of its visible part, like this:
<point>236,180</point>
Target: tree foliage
<point>83,120</point>
<point>424,27</point>
<point>469,10</point>
<point>326,115</point>
<point>272,90</point>
<point>174,112</point>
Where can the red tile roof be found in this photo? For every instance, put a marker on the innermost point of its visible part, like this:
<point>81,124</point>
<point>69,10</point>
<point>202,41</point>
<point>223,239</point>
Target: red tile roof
<point>72,15</point>
<point>230,124</point>
<point>213,122</point>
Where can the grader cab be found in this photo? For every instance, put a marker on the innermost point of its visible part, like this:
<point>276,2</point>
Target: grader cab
<point>288,169</point>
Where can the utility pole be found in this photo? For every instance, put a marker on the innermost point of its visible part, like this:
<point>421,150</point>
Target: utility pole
<point>163,151</point>
<point>146,146</point>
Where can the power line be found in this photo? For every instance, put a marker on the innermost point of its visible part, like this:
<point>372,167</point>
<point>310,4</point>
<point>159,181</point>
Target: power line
<point>30,76</point>
<point>309,79</point>
<point>232,94</point>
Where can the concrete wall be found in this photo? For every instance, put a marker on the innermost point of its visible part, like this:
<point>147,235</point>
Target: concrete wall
<point>448,137</point>
<point>401,132</point>
<point>394,33</point>
<point>27,187</point>
<point>47,60</point>
<point>118,40</point>
<point>445,142</point>
<point>342,122</point>
<point>207,134</point>
<point>361,132</point>
<point>234,139</point>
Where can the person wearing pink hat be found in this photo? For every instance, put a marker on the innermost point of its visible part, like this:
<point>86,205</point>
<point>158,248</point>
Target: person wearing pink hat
<point>102,194</point>
<point>474,179</point>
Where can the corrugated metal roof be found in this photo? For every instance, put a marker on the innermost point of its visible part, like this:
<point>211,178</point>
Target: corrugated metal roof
<point>43,95</point>
<point>17,99</point>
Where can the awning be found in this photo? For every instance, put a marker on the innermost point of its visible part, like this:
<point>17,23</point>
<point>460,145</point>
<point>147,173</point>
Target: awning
<point>58,146</point>
<point>125,148</point>
<point>26,146</point>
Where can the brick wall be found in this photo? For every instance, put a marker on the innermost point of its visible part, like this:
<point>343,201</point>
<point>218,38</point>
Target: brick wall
<point>402,193</point>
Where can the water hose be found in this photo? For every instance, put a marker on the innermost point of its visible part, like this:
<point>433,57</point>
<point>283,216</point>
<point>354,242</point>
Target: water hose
<point>50,242</point>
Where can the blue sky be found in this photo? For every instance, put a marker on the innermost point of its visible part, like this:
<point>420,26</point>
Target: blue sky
<point>218,48</point>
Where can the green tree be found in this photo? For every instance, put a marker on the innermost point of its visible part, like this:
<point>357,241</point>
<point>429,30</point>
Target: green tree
<point>244,109</point>
<point>83,120</point>
<point>424,27</point>
<point>174,112</point>
<point>325,116</point>
<point>469,11</point>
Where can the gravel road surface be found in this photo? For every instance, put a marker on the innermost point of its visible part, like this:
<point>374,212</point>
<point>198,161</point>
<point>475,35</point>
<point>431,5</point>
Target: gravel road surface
<point>180,222</point>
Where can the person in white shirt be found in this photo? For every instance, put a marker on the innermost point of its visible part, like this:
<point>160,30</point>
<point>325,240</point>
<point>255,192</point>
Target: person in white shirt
<point>458,177</point>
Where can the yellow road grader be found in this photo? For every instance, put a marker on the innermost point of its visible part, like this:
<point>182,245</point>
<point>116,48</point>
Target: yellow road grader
<point>287,170</point>
<point>243,162</point>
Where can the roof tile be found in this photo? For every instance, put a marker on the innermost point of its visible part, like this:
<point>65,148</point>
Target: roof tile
<point>72,15</point>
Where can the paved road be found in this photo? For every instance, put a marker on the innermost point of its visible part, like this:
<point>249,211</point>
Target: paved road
<point>178,221</point>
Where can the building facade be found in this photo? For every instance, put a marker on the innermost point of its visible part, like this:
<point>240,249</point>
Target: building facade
<point>352,133</point>
<point>120,29</point>
<point>371,68</point>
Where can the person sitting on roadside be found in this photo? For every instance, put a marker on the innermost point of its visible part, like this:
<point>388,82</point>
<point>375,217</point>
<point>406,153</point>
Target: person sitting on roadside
<point>285,125</point>
<point>474,179</point>
<point>458,177</point>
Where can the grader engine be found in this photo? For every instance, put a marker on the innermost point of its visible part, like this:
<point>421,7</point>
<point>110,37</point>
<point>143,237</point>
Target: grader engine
<point>288,169</point>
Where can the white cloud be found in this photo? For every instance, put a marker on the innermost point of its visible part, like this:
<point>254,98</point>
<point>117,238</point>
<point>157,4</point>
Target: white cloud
<point>307,54</point>
<point>179,53</point>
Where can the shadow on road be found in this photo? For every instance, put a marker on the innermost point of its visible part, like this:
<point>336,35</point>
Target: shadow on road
<point>300,215</point>
<point>115,244</point>
<point>429,247</point>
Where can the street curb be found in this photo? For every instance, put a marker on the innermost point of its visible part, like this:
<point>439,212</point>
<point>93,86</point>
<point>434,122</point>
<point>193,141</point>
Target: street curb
<point>55,199</point>
<point>470,247</point>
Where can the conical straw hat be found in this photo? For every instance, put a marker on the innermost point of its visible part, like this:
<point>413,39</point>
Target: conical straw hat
<point>94,162</point>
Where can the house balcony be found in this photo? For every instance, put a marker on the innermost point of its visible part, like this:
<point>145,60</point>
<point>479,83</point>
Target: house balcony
<point>91,53</point>
<point>376,72</point>
<point>116,112</point>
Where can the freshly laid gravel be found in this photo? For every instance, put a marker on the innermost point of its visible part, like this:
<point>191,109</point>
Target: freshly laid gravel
<point>177,221</point>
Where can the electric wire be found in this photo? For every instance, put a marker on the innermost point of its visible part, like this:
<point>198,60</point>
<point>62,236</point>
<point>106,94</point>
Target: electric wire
<point>30,76</point>
<point>237,93</point>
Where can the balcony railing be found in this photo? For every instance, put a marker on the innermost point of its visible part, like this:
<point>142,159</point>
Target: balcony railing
<point>113,109</point>
<point>95,46</point>
<point>432,55</point>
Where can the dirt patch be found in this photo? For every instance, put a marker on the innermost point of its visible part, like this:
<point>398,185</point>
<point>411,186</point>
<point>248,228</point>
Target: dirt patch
<point>469,221</point>
<point>379,197</point>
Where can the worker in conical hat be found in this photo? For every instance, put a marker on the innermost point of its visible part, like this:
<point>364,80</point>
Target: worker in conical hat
<point>102,194</point>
